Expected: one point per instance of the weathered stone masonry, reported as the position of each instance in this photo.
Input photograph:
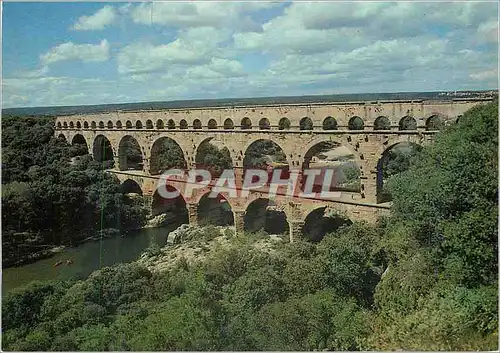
(238, 127)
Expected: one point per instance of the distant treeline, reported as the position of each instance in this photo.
(228, 102)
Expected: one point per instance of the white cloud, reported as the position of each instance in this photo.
(81, 52)
(98, 21)
(487, 75)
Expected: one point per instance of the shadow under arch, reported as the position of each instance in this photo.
(80, 144)
(216, 211)
(129, 153)
(394, 160)
(130, 186)
(102, 151)
(175, 209)
(166, 154)
(318, 224)
(261, 213)
(333, 157)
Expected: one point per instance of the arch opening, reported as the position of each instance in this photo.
(93, 125)
(110, 124)
(306, 123)
(159, 124)
(59, 125)
(395, 159)
(103, 152)
(214, 211)
(85, 125)
(128, 124)
(262, 214)
(266, 155)
(175, 209)
(407, 123)
(284, 124)
(212, 124)
(330, 123)
(356, 123)
(434, 123)
(138, 124)
(319, 223)
(149, 124)
(246, 124)
(62, 138)
(171, 124)
(332, 157)
(130, 186)
(213, 157)
(183, 124)
(382, 123)
(79, 145)
(101, 124)
(130, 155)
(166, 154)
(71, 125)
(197, 124)
(264, 124)
(78, 125)
(118, 124)
(228, 124)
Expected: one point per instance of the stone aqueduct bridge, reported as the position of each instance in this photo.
(367, 129)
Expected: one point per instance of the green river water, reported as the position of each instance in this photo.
(86, 258)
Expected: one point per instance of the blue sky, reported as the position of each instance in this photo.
(95, 53)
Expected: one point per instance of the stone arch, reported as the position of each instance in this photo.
(101, 124)
(216, 154)
(382, 123)
(175, 209)
(434, 123)
(284, 124)
(407, 123)
(102, 150)
(171, 124)
(228, 124)
(159, 124)
(128, 124)
(85, 125)
(262, 213)
(332, 156)
(130, 186)
(78, 125)
(356, 123)
(215, 211)
(268, 155)
(129, 153)
(197, 124)
(93, 125)
(402, 163)
(319, 222)
(306, 123)
(62, 137)
(166, 153)
(59, 125)
(212, 124)
(81, 143)
(149, 124)
(183, 124)
(71, 125)
(138, 124)
(118, 124)
(264, 124)
(246, 123)
(110, 124)
(65, 125)
(330, 123)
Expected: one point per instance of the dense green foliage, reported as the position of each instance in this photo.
(214, 159)
(48, 197)
(424, 278)
(167, 155)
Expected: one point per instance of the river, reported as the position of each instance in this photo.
(86, 258)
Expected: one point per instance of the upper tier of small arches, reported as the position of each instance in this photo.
(382, 123)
